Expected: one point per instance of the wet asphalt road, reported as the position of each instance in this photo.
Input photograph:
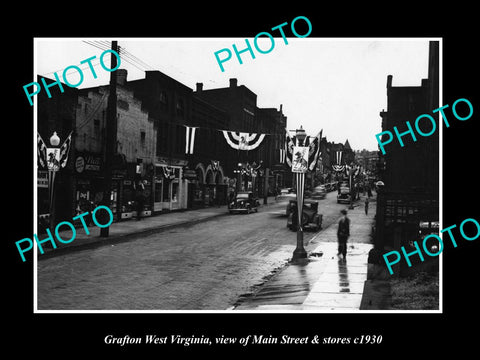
(205, 266)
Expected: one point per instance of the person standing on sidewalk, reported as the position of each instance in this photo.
(343, 233)
(366, 206)
(140, 199)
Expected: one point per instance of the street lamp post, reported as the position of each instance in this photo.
(352, 192)
(299, 170)
(53, 155)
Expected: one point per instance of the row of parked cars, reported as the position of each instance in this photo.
(246, 202)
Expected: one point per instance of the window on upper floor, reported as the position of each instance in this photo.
(180, 107)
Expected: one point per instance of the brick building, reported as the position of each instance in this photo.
(240, 104)
(135, 151)
(154, 116)
(410, 173)
(169, 104)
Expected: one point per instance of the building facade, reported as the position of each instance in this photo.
(132, 168)
(170, 147)
(261, 169)
(410, 194)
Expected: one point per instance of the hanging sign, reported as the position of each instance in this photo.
(300, 159)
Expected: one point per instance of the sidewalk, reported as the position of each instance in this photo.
(323, 282)
(120, 231)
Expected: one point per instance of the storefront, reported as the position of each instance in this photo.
(88, 182)
(42, 199)
(89, 185)
(135, 189)
(210, 187)
(170, 188)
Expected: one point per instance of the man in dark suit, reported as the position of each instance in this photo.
(343, 233)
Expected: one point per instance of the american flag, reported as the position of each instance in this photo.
(41, 151)
(290, 142)
(314, 151)
(64, 149)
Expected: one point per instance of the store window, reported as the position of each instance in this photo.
(166, 192)
(158, 191)
(175, 191)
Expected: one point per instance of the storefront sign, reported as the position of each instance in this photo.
(42, 179)
(88, 162)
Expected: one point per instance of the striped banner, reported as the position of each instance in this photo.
(242, 140)
(189, 139)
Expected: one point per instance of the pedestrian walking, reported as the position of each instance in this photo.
(366, 206)
(343, 233)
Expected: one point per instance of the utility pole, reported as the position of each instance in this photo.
(110, 135)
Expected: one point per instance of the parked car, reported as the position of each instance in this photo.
(344, 194)
(311, 219)
(244, 202)
(319, 192)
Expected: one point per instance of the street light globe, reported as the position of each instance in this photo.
(54, 140)
(300, 134)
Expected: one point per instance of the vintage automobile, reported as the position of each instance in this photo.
(319, 192)
(311, 219)
(344, 194)
(244, 202)
(285, 196)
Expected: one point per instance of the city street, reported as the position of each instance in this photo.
(205, 266)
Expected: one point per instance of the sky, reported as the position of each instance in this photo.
(334, 84)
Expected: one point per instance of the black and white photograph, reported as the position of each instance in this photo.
(183, 159)
(243, 184)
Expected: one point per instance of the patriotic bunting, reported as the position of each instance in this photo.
(242, 140)
(338, 166)
(189, 139)
(168, 172)
(339, 157)
(313, 151)
(53, 158)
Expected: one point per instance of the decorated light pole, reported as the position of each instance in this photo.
(302, 155)
(53, 158)
(299, 167)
